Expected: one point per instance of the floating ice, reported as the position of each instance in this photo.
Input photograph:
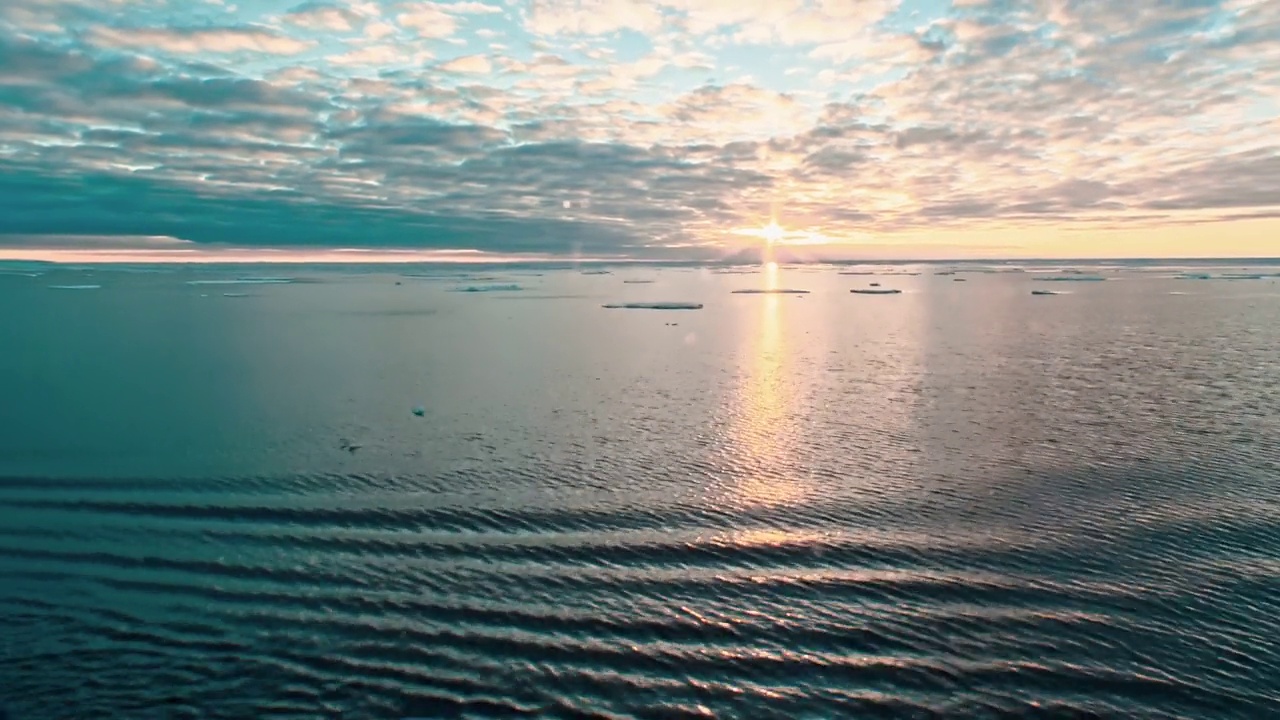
(1045, 292)
(597, 272)
(75, 287)
(1237, 276)
(487, 288)
(419, 411)
(1194, 276)
(242, 281)
(770, 291)
(958, 280)
(235, 294)
(655, 306)
(636, 282)
(1071, 278)
(857, 272)
(876, 291)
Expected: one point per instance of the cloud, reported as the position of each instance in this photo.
(323, 16)
(474, 8)
(468, 64)
(593, 17)
(428, 21)
(864, 118)
(191, 41)
(381, 55)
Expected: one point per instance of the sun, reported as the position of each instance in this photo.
(772, 232)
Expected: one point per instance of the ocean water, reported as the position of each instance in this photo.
(961, 501)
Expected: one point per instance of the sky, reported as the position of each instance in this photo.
(640, 128)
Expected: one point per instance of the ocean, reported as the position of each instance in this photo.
(369, 493)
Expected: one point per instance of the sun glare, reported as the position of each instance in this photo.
(772, 233)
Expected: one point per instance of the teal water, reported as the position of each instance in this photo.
(961, 501)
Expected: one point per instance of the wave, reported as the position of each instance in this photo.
(390, 597)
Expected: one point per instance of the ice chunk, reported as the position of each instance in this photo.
(75, 287)
(242, 281)
(636, 282)
(876, 291)
(419, 411)
(487, 288)
(655, 306)
(770, 291)
(235, 294)
(1045, 292)
(1071, 278)
(597, 272)
(1195, 276)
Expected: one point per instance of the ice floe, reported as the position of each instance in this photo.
(770, 291)
(876, 291)
(487, 288)
(1071, 278)
(75, 287)
(242, 281)
(655, 306)
(1045, 292)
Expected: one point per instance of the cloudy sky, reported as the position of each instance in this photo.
(644, 128)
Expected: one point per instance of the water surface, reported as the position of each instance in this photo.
(960, 501)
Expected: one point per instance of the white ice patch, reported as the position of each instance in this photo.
(655, 306)
(243, 281)
(770, 291)
(487, 288)
(1071, 278)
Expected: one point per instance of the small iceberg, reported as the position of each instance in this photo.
(1045, 292)
(654, 306)
(1236, 276)
(1071, 278)
(242, 281)
(235, 294)
(75, 287)
(857, 272)
(876, 291)
(597, 272)
(770, 291)
(1194, 276)
(511, 287)
(419, 411)
(636, 282)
